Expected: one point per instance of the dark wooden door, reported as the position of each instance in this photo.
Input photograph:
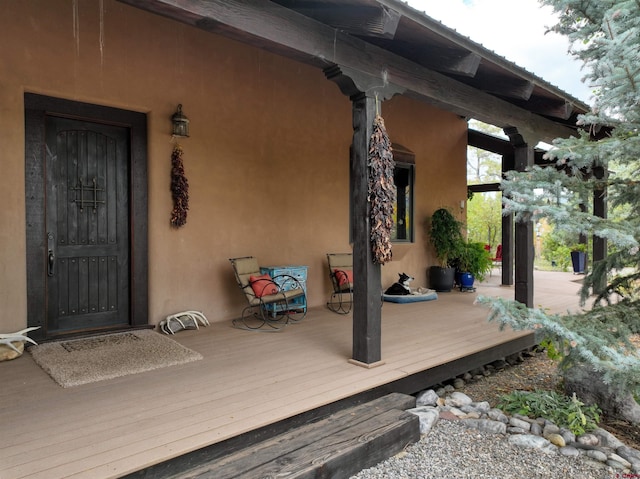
(86, 217)
(87, 225)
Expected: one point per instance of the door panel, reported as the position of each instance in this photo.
(98, 277)
(87, 225)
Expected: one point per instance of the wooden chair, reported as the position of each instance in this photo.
(341, 275)
(497, 259)
(270, 300)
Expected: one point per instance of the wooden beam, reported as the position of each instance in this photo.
(487, 142)
(484, 188)
(517, 88)
(599, 244)
(455, 61)
(367, 315)
(367, 301)
(508, 240)
(281, 30)
(548, 107)
(524, 248)
(375, 21)
(411, 14)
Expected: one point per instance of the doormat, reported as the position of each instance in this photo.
(82, 361)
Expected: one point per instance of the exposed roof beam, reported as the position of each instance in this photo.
(517, 88)
(456, 61)
(420, 18)
(488, 142)
(286, 32)
(549, 107)
(483, 187)
(378, 21)
(500, 146)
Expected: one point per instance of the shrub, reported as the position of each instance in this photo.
(564, 411)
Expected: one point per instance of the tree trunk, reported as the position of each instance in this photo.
(591, 389)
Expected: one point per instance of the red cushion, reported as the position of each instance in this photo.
(344, 277)
(262, 285)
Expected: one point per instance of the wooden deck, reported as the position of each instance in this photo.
(245, 382)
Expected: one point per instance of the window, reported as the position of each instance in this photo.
(403, 177)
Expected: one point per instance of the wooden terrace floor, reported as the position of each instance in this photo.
(246, 381)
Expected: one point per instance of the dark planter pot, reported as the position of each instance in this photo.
(441, 279)
(466, 280)
(579, 261)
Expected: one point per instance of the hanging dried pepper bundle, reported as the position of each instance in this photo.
(382, 191)
(179, 189)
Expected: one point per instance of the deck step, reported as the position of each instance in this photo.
(337, 446)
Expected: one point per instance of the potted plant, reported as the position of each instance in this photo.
(473, 262)
(446, 237)
(579, 258)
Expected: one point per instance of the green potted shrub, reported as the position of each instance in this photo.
(446, 237)
(473, 262)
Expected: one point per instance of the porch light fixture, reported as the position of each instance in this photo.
(180, 123)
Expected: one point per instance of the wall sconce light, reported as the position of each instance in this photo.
(180, 124)
(462, 204)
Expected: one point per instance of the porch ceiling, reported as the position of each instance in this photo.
(388, 38)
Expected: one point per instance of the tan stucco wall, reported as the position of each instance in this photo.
(267, 160)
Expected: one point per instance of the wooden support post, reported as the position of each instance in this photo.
(367, 286)
(582, 238)
(524, 247)
(507, 233)
(507, 250)
(363, 91)
(599, 244)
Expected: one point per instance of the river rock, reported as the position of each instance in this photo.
(569, 451)
(615, 457)
(519, 423)
(607, 439)
(630, 454)
(550, 428)
(556, 440)
(531, 441)
(486, 425)
(458, 383)
(588, 439)
(483, 406)
(458, 399)
(498, 415)
(596, 454)
(536, 429)
(428, 416)
(427, 398)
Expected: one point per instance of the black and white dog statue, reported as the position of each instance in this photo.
(401, 287)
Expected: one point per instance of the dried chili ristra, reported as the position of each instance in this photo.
(179, 189)
(382, 191)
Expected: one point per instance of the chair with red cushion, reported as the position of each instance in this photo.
(341, 276)
(269, 299)
(497, 259)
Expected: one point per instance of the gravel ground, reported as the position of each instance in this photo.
(451, 451)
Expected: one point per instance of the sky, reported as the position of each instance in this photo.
(514, 29)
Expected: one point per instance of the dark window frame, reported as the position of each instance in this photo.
(405, 159)
(406, 163)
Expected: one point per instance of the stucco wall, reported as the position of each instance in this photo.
(267, 160)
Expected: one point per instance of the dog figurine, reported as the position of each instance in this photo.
(401, 287)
